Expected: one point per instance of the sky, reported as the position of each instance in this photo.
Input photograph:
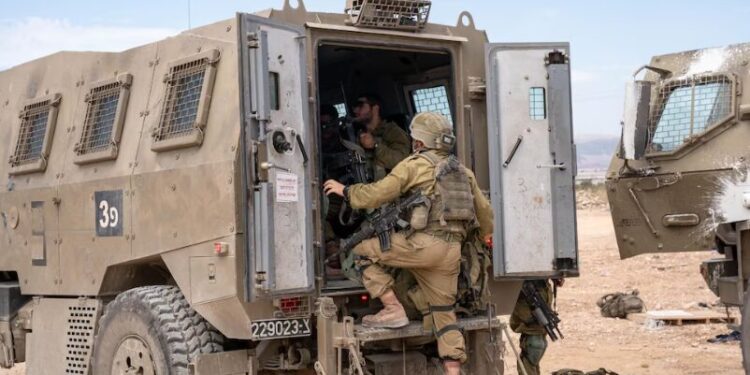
(609, 39)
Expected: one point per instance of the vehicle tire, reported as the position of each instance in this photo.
(745, 328)
(151, 330)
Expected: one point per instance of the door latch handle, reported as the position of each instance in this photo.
(266, 166)
(560, 166)
(513, 151)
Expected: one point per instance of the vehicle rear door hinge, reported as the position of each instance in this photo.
(252, 40)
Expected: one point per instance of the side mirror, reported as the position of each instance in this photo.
(635, 120)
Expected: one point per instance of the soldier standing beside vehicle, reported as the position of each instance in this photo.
(433, 251)
(533, 340)
(388, 143)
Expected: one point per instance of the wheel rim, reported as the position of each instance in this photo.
(133, 357)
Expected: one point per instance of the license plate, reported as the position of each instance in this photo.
(278, 328)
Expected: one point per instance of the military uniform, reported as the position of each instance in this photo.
(533, 335)
(392, 146)
(433, 253)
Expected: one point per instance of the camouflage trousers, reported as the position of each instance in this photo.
(434, 263)
(532, 351)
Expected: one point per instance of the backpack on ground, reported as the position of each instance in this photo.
(619, 305)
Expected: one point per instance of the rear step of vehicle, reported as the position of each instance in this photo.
(415, 329)
(342, 288)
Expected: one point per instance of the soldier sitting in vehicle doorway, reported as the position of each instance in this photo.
(431, 249)
(387, 143)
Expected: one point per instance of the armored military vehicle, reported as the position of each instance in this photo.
(679, 180)
(162, 210)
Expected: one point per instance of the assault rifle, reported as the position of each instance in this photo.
(358, 168)
(382, 221)
(540, 310)
(357, 173)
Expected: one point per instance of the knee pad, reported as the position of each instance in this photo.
(533, 348)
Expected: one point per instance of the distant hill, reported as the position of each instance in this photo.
(595, 151)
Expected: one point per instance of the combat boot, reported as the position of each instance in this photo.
(392, 315)
(451, 367)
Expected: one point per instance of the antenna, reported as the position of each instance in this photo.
(188, 6)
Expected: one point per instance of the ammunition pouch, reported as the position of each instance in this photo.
(420, 216)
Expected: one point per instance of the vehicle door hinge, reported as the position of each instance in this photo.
(252, 40)
(477, 88)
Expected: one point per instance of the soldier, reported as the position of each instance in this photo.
(388, 143)
(533, 341)
(432, 251)
(329, 134)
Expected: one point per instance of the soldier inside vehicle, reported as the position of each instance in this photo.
(374, 93)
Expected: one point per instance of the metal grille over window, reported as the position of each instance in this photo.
(34, 122)
(388, 14)
(100, 119)
(537, 103)
(434, 99)
(185, 83)
(688, 107)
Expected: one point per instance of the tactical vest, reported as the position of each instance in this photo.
(451, 209)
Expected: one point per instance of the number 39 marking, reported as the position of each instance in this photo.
(108, 213)
(110, 217)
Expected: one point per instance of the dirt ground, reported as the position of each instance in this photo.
(670, 281)
(665, 282)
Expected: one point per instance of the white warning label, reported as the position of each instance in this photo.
(286, 187)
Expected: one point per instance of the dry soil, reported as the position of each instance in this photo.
(666, 281)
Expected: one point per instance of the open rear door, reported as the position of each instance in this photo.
(532, 175)
(275, 128)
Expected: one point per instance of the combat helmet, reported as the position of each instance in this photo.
(434, 130)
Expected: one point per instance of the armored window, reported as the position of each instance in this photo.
(34, 140)
(341, 109)
(106, 103)
(187, 96)
(688, 107)
(274, 89)
(537, 103)
(432, 99)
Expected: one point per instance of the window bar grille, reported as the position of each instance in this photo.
(692, 106)
(34, 120)
(100, 118)
(432, 99)
(393, 14)
(687, 107)
(185, 84)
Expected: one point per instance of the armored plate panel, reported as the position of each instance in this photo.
(532, 180)
(690, 184)
(275, 102)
